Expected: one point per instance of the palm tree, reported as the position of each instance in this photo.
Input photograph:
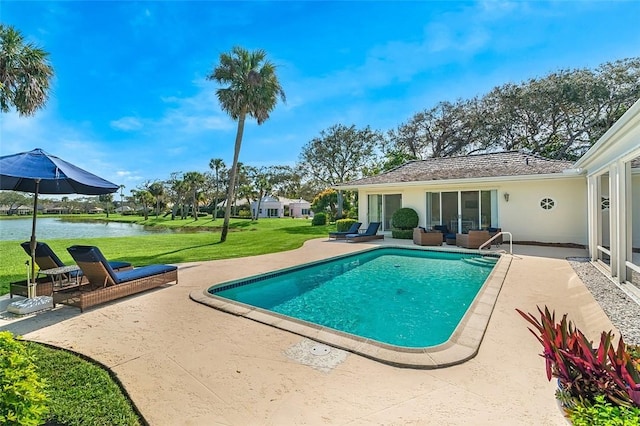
(194, 181)
(121, 188)
(252, 88)
(218, 166)
(157, 190)
(25, 73)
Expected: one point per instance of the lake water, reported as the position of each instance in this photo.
(50, 228)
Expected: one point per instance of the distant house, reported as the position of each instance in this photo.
(20, 210)
(272, 206)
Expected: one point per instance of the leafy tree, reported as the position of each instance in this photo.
(264, 180)
(144, 197)
(107, 199)
(14, 200)
(252, 88)
(339, 155)
(25, 73)
(157, 190)
(219, 173)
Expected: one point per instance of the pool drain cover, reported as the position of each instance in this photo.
(320, 350)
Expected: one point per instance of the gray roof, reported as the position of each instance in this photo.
(501, 164)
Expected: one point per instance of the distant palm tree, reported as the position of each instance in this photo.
(157, 190)
(252, 88)
(25, 73)
(218, 166)
(194, 182)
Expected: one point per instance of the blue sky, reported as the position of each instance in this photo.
(130, 101)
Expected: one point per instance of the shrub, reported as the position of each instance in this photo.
(402, 234)
(244, 214)
(319, 219)
(404, 218)
(343, 225)
(22, 400)
(602, 413)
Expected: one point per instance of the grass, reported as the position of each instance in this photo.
(80, 392)
(246, 238)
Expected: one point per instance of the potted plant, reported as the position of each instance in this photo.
(595, 385)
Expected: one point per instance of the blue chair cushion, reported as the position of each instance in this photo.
(142, 272)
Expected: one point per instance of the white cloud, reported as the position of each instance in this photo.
(127, 124)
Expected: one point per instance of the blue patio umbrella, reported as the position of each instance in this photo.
(40, 173)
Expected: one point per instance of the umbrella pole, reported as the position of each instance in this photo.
(31, 288)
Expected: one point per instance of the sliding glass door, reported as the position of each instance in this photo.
(382, 207)
(463, 210)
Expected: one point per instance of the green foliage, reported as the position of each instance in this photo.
(603, 413)
(402, 234)
(23, 400)
(98, 401)
(405, 218)
(245, 214)
(583, 371)
(319, 219)
(343, 225)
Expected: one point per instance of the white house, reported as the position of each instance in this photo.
(271, 206)
(594, 202)
(536, 199)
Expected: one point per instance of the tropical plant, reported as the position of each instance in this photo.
(25, 73)
(194, 182)
(582, 371)
(251, 88)
(157, 190)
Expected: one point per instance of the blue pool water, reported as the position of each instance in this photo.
(402, 297)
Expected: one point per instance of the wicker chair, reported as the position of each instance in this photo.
(473, 240)
(105, 284)
(423, 237)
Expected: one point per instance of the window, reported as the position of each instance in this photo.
(547, 203)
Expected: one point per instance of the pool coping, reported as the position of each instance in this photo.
(463, 344)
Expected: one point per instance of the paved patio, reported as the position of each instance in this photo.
(184, 363)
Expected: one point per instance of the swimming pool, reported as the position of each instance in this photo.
(385, 303)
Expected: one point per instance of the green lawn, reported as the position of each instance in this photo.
(246, 238)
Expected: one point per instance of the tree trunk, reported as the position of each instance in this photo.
(232, 178)
(339, 208)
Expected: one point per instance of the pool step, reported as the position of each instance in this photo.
(481, 261)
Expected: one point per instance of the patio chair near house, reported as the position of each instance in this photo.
(473, 240)
(340, 235)
(423, 237)
(105, 284)
(371, 233)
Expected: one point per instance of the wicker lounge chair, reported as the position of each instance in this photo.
(370, 234)
(46, 258)
(107, 284)
(340, 235)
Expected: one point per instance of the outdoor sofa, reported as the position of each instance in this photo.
(105, 284)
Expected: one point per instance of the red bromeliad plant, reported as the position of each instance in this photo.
(582, 371)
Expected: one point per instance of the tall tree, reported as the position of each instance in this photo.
(340, 154)
(219, 171)
(25, 73)
(143, 197)
(251, 88)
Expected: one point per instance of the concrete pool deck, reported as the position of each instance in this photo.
(184, 363)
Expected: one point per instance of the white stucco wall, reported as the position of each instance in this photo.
(521, 215)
